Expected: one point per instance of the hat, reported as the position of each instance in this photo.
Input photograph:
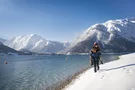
(95, 43)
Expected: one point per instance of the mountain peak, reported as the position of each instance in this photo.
(31, 37)
(111, 34)
(34, 43)
(33, 34)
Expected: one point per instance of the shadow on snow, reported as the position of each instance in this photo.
(118, 67)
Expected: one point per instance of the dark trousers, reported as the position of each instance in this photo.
(96, 64)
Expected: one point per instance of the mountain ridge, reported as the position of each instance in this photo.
(35, 43)
(112, 36)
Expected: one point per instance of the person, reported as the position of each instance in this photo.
(95, 56)
(97, 47)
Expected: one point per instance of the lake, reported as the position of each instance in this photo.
(32, 72)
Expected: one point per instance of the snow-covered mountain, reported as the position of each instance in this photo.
(6, 49)
(113, 36)
(2, 40)
(35, 43)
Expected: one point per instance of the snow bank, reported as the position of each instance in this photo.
(115, 75)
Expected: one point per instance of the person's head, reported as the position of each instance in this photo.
(95, 43)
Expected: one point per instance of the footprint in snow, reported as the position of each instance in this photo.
(128, 70)
(102, 77)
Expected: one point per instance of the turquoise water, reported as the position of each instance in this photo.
(41, 72)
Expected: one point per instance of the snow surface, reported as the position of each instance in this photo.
(115, 75)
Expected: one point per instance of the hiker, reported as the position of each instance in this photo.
(95, 56)
(96, 46)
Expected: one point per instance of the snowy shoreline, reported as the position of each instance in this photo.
(69, 80)
(115, 75)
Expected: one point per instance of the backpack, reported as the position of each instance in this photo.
(94, 50)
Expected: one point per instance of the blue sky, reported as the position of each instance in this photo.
(59, 20)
